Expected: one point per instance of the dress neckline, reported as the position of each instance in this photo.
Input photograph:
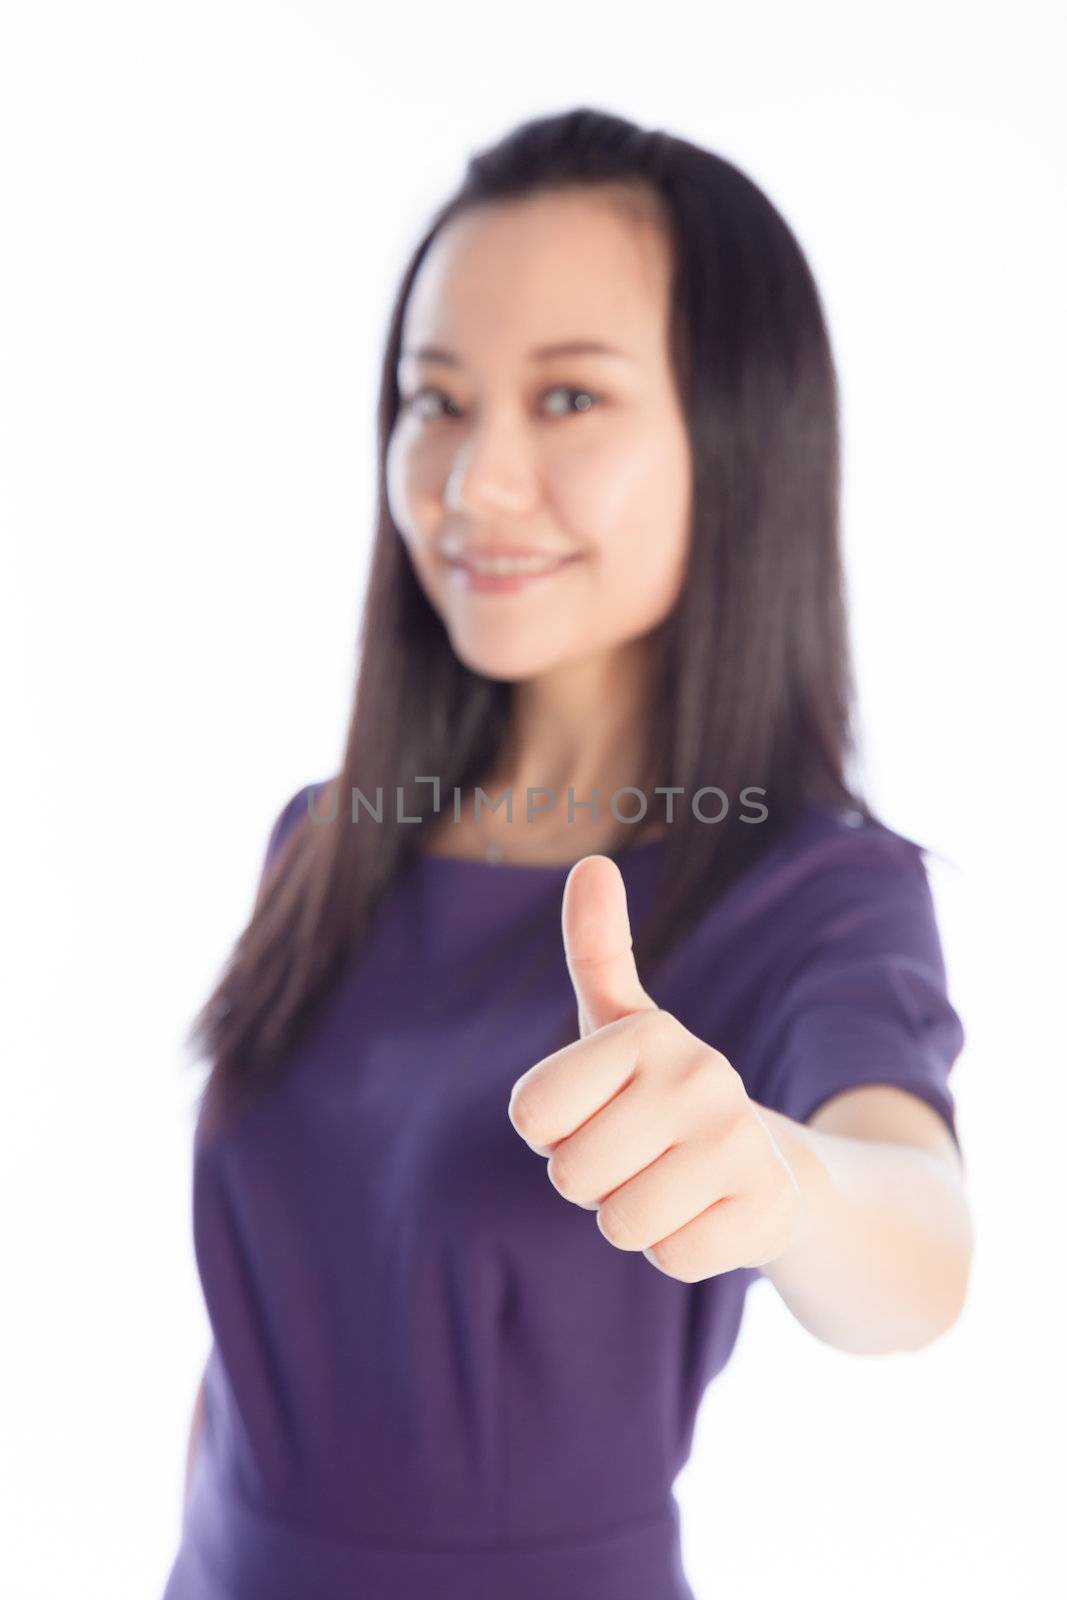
(642, 848)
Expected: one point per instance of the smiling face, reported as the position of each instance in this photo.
(581, 458)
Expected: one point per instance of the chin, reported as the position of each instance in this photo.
(505, 664)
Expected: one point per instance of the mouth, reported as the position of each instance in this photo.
(505, 574)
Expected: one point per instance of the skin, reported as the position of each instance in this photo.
(642, 1121)
(496, 448)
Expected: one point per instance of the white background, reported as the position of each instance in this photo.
(205, 208)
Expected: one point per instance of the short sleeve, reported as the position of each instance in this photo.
(865, 1000)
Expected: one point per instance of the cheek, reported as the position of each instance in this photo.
(629, 501)
(416, 511)
(413, 487)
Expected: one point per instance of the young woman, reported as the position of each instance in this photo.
(478, 1188)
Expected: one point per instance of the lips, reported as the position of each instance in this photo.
(511, 566)
(510, 575)
(509, 560)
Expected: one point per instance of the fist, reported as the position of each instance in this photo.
(644, 1123)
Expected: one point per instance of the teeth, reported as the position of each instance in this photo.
(502, 566)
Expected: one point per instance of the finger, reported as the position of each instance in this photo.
(729, 1234)
(684, 1181)
(555, 1096)
(599, 945)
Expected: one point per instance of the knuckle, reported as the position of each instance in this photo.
(712, 1078)
(727, 1077)
(667, 1257)
(561, 1172)
(614, 1227)
(524, 1112)
(665, 1024)
(645, 1024)
(683, 1269)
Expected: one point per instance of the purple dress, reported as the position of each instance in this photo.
(430, 1373)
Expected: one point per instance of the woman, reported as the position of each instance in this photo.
(607, 567)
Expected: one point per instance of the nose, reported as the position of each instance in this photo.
(492, 472)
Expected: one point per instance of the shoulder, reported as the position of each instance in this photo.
(830, 833)
(827, 858)
(305, 800)
(836, 894)
(850, 902)
(853, 988)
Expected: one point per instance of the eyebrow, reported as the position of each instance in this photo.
(544, 352)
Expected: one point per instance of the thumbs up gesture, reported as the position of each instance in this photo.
(643, 1122)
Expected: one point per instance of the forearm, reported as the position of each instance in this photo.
(880, 1258)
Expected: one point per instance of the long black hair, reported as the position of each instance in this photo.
(752, 685)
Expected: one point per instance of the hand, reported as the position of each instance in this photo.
(643, 1122)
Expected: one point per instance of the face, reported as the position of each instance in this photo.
(580, 459)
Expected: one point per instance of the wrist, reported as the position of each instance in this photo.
(800, 1147)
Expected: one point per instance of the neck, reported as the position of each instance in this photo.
(580, 728)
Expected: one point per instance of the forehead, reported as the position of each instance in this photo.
(506, 276)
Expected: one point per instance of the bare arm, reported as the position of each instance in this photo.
(194, 1436)
(882, 1261)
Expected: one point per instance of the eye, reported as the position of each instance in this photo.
(586, 398)
(584, 395)
(410, 402)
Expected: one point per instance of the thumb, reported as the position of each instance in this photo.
(599, 945)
